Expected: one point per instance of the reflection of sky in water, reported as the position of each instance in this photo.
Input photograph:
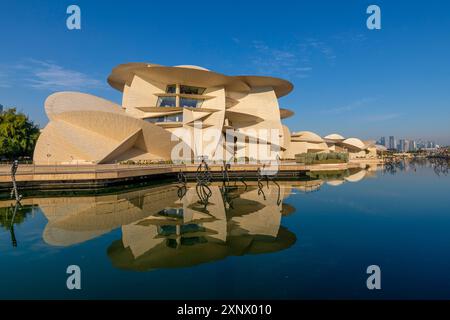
(310, 239)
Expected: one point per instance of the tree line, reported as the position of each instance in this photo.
(18, 135)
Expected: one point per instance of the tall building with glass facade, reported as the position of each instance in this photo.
(392, 144)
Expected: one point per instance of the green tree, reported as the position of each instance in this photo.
(18, 134)
(6, 215)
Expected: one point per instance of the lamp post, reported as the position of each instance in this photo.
(48, 154)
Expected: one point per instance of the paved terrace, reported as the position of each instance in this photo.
(29, 175)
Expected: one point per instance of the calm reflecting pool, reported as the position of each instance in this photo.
(278, 240)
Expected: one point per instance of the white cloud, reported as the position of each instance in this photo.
(312, 46)
(276, 61)
(347, 38)
(383, 117)
(236, 40)
(48, 75)
(4, 83)
(357, 104)
(294, 60)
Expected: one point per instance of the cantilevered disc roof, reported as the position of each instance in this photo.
(355, 143)
(358, 176)
(189, 66)
(281, 87)
(195, 76)
(286, 113)
(123, 74)
(307, 136)
(334, 136)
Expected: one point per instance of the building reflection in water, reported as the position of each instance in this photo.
(164, 228)
(189, 233)
(393, 166)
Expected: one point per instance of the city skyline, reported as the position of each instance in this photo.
(406, 144)
(347, 78)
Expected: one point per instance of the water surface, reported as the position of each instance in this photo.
(284, 240)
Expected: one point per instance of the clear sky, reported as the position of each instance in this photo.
(347, 79)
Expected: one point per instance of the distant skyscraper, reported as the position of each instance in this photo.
(383, 141)
(406, 146)
(412, 145)
(1, 108)
(392, 144)
(431, 144)
(421, 144)
(401, 145)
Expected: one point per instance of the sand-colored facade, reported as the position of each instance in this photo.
(356, 148)
(177, 113)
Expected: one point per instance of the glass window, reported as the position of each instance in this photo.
(174, 118)
(168, 118)
(171, 88)
(192, 103)
(191, 90)
(167, 230)
(185, 241)
(156, 119)
(172, 212)
(166, 102)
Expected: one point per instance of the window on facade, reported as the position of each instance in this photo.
(171, 88)
(167, 230)
(185, 241)
(166, 102)
(172, 212)
(153, 120)
(192, 103)
(171, 101)
(168, 118)
(191, 90)
(174, 118)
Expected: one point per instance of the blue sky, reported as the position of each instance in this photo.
(347, 79)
